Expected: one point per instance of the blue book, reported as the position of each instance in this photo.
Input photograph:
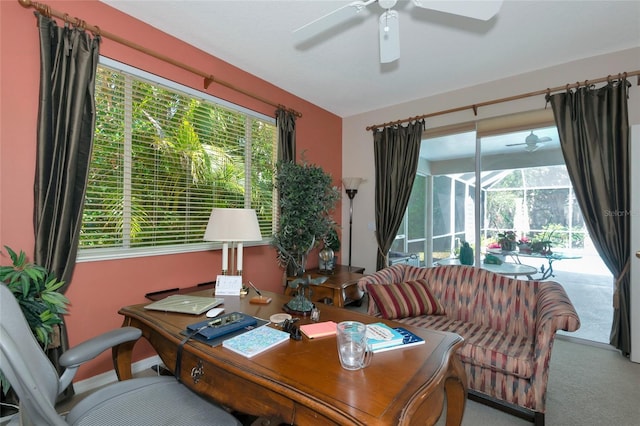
(380, 335)
(256, 341)
(409, 339)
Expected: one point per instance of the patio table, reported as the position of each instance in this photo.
(550, 258)
(505, 268)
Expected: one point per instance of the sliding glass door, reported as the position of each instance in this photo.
(475, 185)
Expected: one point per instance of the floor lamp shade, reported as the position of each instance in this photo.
(235, 226)
(351, 185)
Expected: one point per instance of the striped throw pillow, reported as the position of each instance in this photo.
(408, 299)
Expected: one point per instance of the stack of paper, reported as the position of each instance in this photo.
(319, 329)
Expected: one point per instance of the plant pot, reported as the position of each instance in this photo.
(524, 248)
(508, 245)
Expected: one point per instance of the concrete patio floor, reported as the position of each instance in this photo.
(589, 285)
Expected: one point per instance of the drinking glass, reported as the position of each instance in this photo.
(353, 350)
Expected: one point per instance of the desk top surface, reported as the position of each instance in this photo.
(310, 369)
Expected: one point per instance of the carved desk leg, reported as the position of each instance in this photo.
(122, 355)
(456, 388)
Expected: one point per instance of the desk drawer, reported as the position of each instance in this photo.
(305, 416)
(232, 391)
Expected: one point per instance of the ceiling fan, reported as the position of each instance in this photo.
(532, 142)
(389, 27)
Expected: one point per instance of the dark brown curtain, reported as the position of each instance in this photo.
(66, 118)
(593, 125)
(396, 154)
(286, 121)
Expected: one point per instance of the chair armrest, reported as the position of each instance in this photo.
(89, 349)
(93, 347)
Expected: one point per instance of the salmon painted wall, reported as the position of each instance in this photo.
(99, 289)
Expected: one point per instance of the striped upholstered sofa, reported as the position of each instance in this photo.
(508, 325)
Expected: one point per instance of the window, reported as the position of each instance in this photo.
(164, 155)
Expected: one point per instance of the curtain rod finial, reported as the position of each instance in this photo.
(25, 3)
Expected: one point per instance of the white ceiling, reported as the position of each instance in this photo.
(340, 71)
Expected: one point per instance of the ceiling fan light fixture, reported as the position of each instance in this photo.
(387, 4)
(389, 34)
(532, 139)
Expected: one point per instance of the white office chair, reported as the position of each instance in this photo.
(153, 401)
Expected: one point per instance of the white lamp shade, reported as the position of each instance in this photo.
(233, 225)
(352, 182)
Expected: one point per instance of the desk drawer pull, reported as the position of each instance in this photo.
(197, 372)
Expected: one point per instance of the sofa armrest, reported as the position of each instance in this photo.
(554, 312)
(390, 275)
(394, 274)
(555, 307)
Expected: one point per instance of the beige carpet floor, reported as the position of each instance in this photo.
(588, 386)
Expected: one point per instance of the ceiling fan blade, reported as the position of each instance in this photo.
(515, 144)
(544, 139)
(389, 33)
(330, 19)
(482, 10)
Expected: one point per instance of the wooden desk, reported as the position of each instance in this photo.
(341, 285)
(302, 382)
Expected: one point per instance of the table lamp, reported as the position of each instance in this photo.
(232, 225)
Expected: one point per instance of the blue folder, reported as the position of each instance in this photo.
(222, 325)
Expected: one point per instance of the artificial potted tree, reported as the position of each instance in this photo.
(36, 290)
(306, 197)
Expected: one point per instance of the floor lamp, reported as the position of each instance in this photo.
(351, 185)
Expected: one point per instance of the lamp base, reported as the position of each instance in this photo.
(296, 308)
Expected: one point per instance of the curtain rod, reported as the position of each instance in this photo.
(208, 78)
(475, 107)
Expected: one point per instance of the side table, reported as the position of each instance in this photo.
(340, 287)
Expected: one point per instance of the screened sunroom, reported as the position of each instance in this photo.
(474, 183)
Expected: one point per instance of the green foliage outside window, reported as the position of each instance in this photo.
(162, 159)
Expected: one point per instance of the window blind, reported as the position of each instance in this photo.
(164, 157)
